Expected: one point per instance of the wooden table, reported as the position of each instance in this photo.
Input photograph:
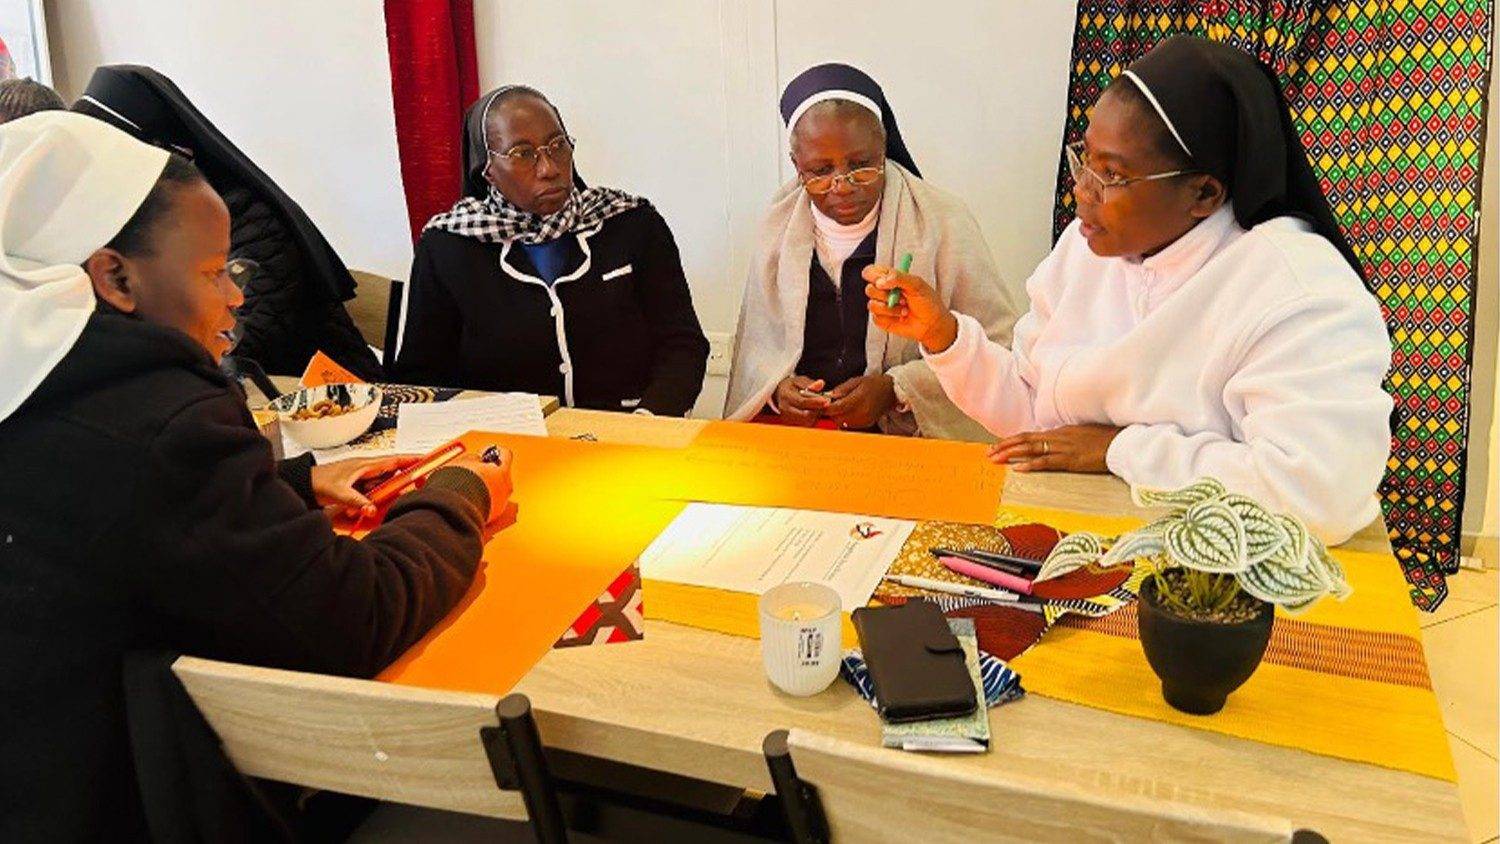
(696, 703)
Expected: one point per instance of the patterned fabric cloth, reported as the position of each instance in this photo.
(1001, 683)
(617, 615)
(1390, 98)
(495, 219)
(1006, 631)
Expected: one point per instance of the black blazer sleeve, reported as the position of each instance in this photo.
(429, 345)
(680, 353)
(234, 565)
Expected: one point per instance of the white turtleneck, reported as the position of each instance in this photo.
(834, 242)
(1253, 356)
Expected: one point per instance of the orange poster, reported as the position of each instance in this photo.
(586, 511)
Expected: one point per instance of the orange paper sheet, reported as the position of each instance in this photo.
(575, 530)
(834, 471)
(322, 369)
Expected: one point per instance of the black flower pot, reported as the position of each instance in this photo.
(1200, 662)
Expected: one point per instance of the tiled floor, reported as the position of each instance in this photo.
(1461, 643)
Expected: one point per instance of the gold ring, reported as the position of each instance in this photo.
(1046, 447)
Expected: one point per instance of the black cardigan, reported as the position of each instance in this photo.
(294, 306)
(616, 333)
(141, 510)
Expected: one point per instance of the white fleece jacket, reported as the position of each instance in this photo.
(1252, 356)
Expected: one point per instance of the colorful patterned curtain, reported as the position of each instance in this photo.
(1390, 97)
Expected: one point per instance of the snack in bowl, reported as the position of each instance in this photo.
(321, 410)
(329, 415)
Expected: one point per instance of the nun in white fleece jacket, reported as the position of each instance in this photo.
(1202, 316)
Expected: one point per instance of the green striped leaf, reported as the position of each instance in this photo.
(1297, 555)
(1073, 551)
(1158, 527)
(1263, 532)
(1324, 567)
(1279, 580)
(1209, 537)
(1203, 489)
(1133, 546)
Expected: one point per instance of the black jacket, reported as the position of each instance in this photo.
(618, 332)
(295, 307)
(285, 321)
(141, 510)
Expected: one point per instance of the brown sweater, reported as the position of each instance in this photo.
(141, 510)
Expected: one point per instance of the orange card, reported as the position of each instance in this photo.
(322, 369)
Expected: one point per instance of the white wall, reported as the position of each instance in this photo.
(304, 88)
(1482, 509)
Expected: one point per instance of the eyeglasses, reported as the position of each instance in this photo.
(819, 185)
(1078, 167)
(559, 151)
(236, 271)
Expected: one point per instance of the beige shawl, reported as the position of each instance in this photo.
(947, 250)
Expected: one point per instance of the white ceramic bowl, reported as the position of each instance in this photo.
(361, 404)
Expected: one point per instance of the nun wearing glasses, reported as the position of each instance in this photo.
(1203, 315)
(537, 282)
(807, 353)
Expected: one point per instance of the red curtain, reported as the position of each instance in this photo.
(434, 77)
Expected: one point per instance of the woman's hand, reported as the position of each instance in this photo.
(799, 400)
(1072, 448)
(336, 485)
(920, 315)
(861, 401)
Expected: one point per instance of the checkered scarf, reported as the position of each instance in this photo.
(495, 219)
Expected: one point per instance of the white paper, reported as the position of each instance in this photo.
(420, 428)
(751, 549)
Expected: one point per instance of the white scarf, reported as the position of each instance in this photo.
(68, 184)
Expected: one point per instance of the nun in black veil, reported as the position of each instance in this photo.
(294, 300)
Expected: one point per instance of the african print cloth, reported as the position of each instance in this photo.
(1390, 97)
(617, 615)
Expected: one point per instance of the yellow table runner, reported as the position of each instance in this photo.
(1344, 679)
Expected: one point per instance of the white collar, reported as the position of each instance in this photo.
(1185, 256)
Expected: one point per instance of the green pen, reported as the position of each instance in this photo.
(893, 298)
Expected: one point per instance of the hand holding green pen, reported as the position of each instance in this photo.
(893, 298)
(908, 306)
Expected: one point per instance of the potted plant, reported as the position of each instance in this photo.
(1217, 565)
